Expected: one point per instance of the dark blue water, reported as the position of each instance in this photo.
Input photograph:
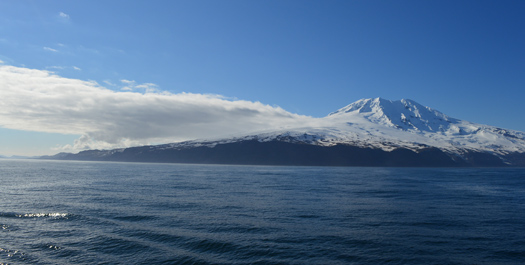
(124, 213)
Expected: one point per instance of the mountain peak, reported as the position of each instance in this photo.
(404, 114)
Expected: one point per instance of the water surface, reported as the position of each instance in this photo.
(55, 212)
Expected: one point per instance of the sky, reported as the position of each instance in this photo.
(78, 75)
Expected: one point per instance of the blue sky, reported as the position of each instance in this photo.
(278, 58)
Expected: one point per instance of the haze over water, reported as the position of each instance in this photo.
(56, 212)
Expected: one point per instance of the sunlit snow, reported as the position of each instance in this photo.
(387, 124)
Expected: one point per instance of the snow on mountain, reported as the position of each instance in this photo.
(406, 121)
(387, 124)
(403, 114)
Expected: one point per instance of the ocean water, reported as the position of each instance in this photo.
(54, 212)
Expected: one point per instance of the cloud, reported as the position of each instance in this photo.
(63, 15)
(41, 101)
(58, 68)
(50, 49)
(130, 85)
(107, 82)
(1, 62)
(55, 67)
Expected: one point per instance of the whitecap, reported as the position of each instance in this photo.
(36, 215)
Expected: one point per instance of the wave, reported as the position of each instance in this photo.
(34, 215)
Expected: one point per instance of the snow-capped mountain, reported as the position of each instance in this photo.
(402, 114)
(388, 125)
(405, 121)
(370, 132)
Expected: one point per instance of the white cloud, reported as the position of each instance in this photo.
(107, 82)
(38, 100)
(1, 62)
(55, 67)
(50, 49)
(63, 15)
(130, 85)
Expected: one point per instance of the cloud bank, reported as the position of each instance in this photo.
(41, 101)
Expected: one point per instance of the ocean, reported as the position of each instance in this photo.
(65, 212)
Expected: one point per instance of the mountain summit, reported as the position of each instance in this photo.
(405, 122)
(368, 132)
(404, 114)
